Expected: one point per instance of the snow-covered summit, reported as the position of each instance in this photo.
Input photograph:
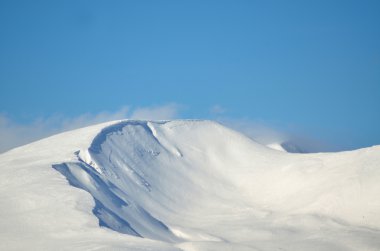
(184, 185)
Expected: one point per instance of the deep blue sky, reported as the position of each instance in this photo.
(313, 66)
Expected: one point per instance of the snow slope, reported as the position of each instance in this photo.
(184, 185)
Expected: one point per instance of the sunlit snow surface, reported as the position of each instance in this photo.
(184, 185)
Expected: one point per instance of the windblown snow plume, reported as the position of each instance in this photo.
(184, 185)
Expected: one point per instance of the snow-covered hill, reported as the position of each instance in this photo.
(184, 185)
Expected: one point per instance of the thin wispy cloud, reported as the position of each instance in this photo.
(260, 131)
(217, 110)
(169, 111)
(13, 134)
(267, 133)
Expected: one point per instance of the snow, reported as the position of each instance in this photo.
(286, 146)
(276, 146)
(184, 185)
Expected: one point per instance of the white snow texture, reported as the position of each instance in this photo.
(184, 185)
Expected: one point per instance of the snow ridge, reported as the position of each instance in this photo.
(105, 174)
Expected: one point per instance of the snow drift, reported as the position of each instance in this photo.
(185, 185)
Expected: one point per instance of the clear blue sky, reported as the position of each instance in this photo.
(312, 65)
